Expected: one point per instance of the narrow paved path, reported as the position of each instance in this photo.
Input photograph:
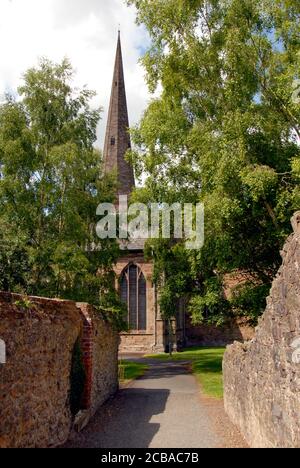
(160, 410)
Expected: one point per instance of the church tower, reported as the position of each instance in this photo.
(133, 272)
(117, 138)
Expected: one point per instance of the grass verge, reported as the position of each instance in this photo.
(206, 365)
(130, 371)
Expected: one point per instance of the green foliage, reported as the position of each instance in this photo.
(25, 303)
(225, 131)
(209, 306)
(296, 168)
(14, 264)
(171, 273)
(260, 181)
(250, 300)
(131, 370)
(113, 310)
(77, 379)
(50, 186)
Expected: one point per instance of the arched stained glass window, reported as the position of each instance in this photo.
(133, 292)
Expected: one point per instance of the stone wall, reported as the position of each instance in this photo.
(40, 335)
(262, 377)
(100, 344)
(209, 335)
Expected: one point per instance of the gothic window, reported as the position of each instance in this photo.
(133, 293)
(113, 141)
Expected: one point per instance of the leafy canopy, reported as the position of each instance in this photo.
(225, 131)
(50, 186)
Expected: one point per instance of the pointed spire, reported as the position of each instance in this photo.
(117, 138)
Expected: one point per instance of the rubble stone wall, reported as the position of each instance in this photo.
(262, 377)
(39, 336)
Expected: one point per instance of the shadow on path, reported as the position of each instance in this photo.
(162, 409)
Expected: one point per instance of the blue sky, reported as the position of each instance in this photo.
(83, 30)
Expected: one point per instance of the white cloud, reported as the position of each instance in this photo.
(83, 30)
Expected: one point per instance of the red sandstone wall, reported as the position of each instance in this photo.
(137, 343)
(209, 335)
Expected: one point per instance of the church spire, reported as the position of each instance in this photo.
(117, 138)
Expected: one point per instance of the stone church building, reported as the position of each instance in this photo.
(148, 331)
(133, 272)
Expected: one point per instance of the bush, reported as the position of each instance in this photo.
(210, 306)
(250, 300)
